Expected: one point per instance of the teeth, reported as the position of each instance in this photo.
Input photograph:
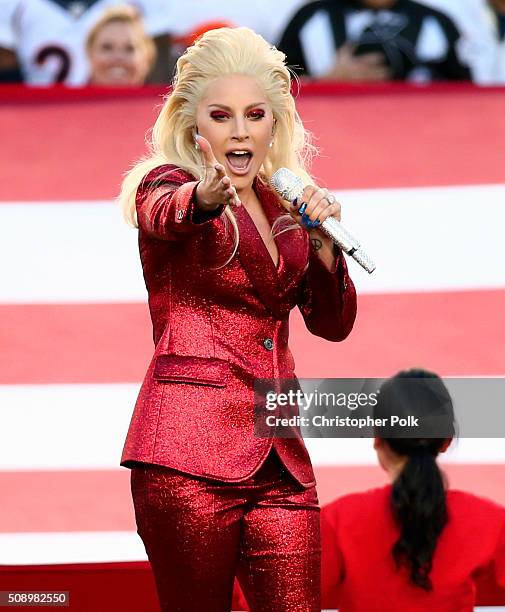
(240, 152)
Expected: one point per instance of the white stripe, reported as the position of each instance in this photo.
(437, 238)
(360, 451)
(72, 252)
(422, 239)
(70, 547)
(44, 427)
(55, 427)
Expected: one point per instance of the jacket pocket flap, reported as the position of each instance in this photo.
(196, 370)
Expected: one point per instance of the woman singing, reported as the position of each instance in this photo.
(212, 500)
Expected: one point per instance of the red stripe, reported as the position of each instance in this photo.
(454, 333)
(386, 140)
(110, 587)
(56, 94)
(458, 333)
(74, 343)
(130, 587)
(336, 88)
(393, 140)
(101, 500)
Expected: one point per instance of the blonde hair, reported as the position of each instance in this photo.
(219, 52)
(123, 13)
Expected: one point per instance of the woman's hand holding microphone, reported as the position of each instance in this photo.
(314, 206)
(310, 210)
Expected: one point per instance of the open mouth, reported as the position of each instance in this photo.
(239, 161)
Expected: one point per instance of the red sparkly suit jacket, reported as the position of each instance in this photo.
(217, 330)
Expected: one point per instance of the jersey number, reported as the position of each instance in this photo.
(62, 57)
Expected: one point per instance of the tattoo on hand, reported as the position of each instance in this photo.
(316, 243)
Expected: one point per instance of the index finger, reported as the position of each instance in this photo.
(308, 192)
(206, 149)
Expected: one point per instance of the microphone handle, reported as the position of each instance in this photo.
(340, 236)
(290, 187)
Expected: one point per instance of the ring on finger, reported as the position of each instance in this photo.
(330, 198)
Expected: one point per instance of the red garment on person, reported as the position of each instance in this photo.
(199, 534)
(359, 573)
(217, 330)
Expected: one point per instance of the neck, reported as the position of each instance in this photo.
(394, 468)
(246, 193)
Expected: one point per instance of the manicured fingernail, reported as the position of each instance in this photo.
(302, 208)
(294, 203)
(308, 223)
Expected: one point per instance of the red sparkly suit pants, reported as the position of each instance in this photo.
(198, 534)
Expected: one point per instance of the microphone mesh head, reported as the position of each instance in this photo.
(287, 184)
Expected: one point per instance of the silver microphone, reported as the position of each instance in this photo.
(290, 187)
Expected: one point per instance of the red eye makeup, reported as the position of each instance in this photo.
(218, 115)
(258, 113)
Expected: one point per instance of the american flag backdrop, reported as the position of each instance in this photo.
(420, 174)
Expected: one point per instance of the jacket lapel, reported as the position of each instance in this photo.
(270, 282)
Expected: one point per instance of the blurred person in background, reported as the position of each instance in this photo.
(119, 51)
(482, 24)
(46, 39)
(412, 544)
(373, 40)
(265, 17)
(9, 67)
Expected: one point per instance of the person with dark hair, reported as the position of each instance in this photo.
(373, 40)
(413, 544)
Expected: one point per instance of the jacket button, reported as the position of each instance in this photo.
(268, 343)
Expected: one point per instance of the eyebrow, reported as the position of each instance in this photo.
(229, 109)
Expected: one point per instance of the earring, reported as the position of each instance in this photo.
(271, 144)
(197, 146)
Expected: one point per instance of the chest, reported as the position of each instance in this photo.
(264, 229)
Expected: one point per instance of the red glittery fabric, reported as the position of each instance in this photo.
(199, 534)
(217, 330)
